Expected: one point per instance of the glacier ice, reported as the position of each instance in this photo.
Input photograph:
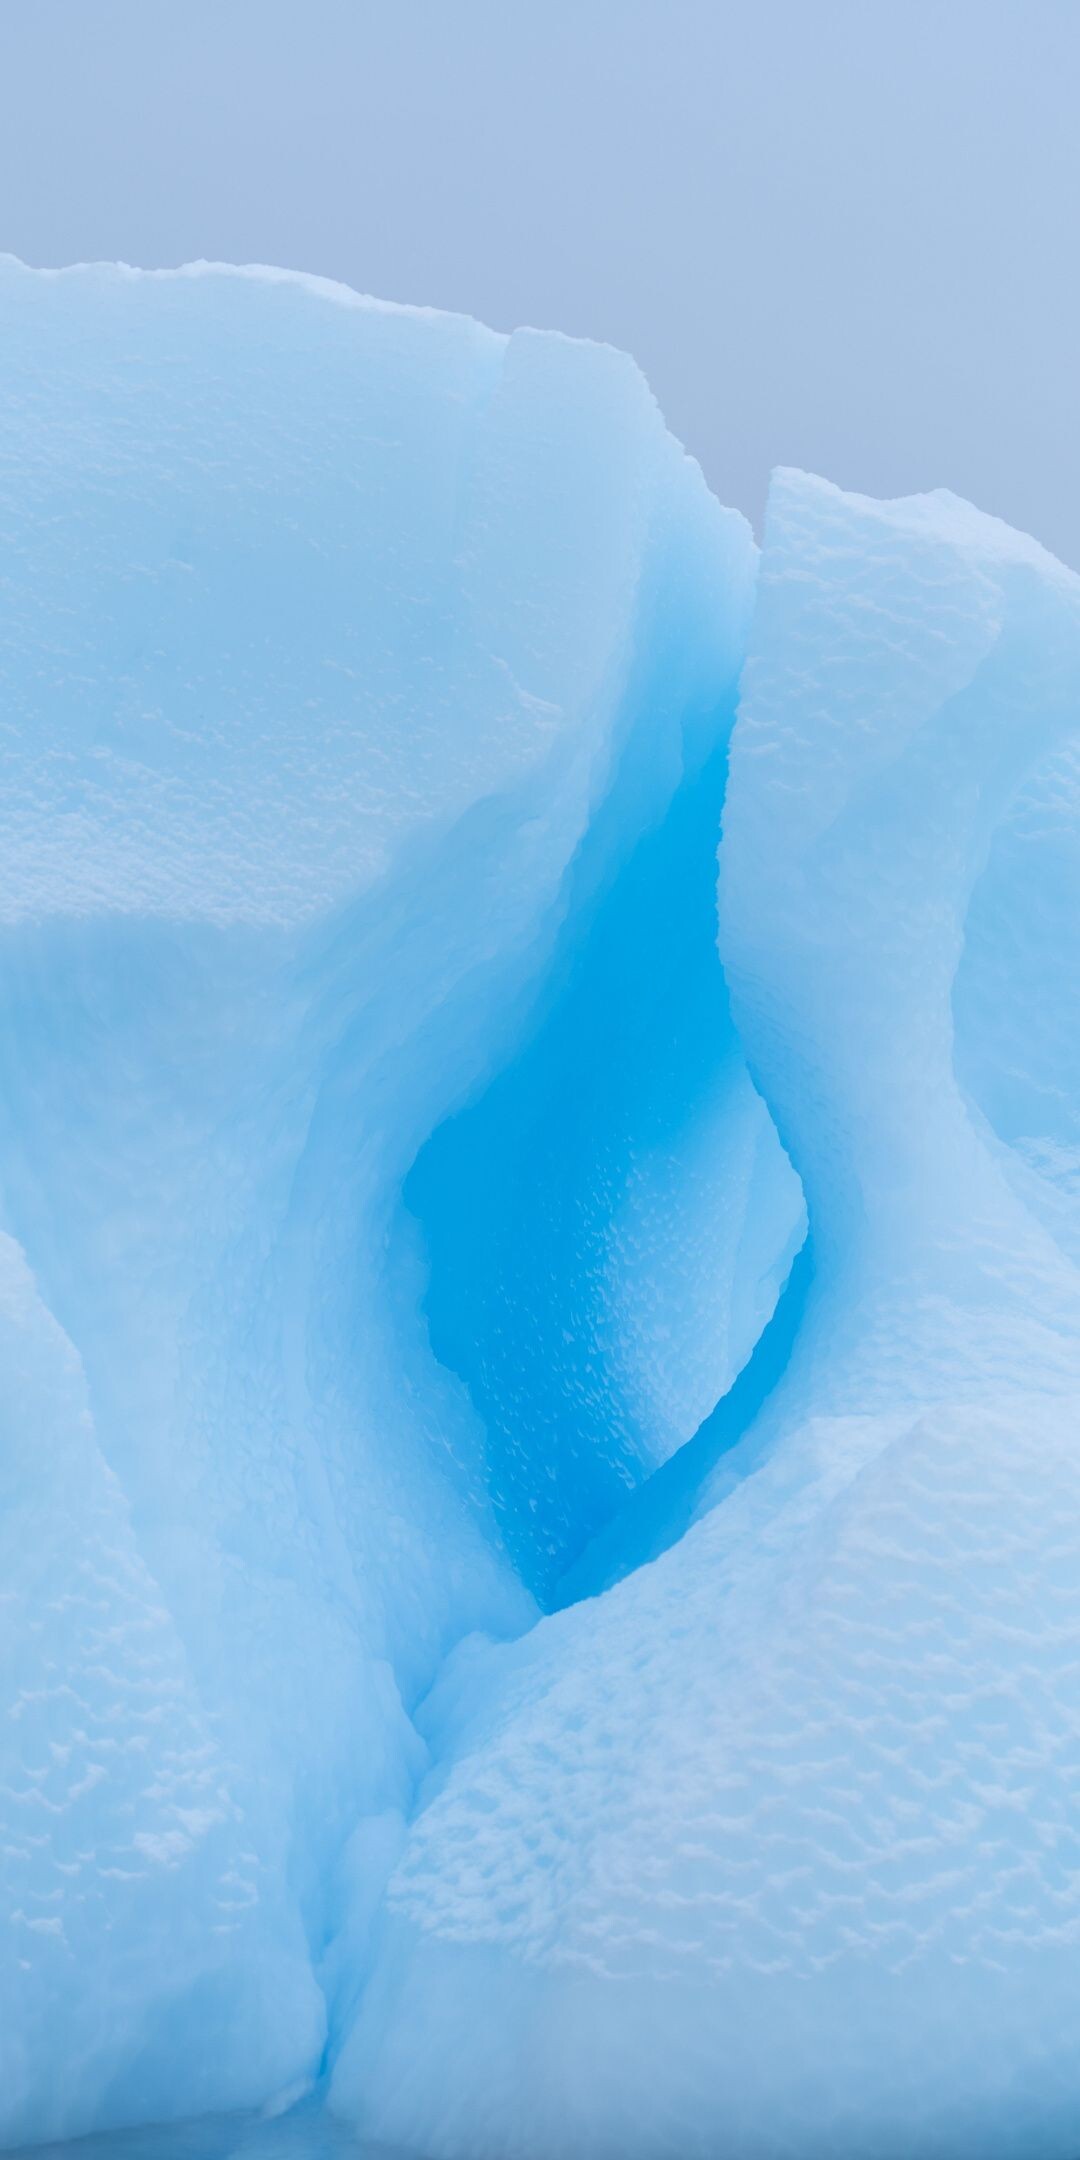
(772, 1848)
(539, 1258)
(349, 652)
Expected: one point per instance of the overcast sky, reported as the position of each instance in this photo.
(843, 234)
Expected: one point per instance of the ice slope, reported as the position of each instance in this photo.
(773, 1848)
(350, 657)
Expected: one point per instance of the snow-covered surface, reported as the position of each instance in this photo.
(401, 1160)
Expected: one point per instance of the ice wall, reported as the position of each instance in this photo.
(349, 656)
(771, 1849)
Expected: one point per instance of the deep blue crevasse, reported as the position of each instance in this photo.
(516, 1193)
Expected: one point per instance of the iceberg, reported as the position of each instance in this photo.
(539, 1258)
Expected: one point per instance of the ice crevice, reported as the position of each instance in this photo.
(539, 1267)
(659, 1511)
(609, 1190)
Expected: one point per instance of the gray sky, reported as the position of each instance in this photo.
(836, 233)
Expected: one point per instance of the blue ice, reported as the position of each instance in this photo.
(539, 1263)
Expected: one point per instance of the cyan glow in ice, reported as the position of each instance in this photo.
(539, 1410)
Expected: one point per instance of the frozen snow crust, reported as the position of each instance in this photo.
(491, 1625)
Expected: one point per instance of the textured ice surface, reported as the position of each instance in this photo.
(393, 1208)
(348, 654)
(773, 1848)
(305, 2133)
